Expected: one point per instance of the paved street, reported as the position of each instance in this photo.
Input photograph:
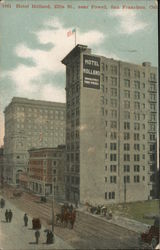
(14, 236)
(90, 232)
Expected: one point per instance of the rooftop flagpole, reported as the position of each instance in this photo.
(75, 37)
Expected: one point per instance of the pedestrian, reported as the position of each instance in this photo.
(50, 237)
(6, 215)
(25, 220)
(37, 235)
(2, 203)
(71, 208)
(10, 215)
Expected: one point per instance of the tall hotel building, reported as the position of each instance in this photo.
(111, 124)
(30, 124)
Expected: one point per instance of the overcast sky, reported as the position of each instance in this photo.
(34, 41)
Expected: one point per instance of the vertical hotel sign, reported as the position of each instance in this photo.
(91, 71)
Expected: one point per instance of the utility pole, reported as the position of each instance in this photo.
(52, 203)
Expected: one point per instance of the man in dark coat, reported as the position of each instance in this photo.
(6, 215)
(10, 215)
(25, 220)
(50, 237)
(37, 235)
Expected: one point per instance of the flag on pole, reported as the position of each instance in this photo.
(71, 32)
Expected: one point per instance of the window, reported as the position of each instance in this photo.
(152, 77)
(153, 106)
(113, 69)
(152, 117)
(113, 113)
(113, 157)
(136, 178)
(137, 84)
(105, 179)
(152, 147)
(136, 137)
(127, 179)
(113, 168)
(102, 66)
(126, 147)
(126, 93)
(136, 157)
(136, 73)
(152, 137)
(126, 168)
(113, 179)
(113, 135)
(126, 125)
(152, 97)
(106, 156)
(137, 147)
(127, 72)
(113, 92)
(102, 76)
(114, 81)
(126, 157)
(113, 124)
(137, 105)
(137, 126)
(102, 87)
(111, 195)
(152, 87)
(126, 136)
(152, 157)
(126, 83)
(113, 146)
(137, 116)
(136, 95)
(113, 103)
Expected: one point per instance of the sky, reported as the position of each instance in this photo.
(33, 41)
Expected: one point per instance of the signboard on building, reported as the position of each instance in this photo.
(91, 71)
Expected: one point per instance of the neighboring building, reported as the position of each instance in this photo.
(1, 165)
(111, 128)
(24, 180)
(46, 171)
(30, 124)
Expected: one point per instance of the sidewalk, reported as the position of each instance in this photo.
(14, 236)
(121, 221)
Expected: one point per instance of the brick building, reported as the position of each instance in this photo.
(46, 171)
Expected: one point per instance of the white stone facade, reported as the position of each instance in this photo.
(30, 124)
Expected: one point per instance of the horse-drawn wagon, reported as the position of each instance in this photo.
(17, 193)
(151, 236)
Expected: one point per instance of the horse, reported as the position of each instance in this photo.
(66, 217)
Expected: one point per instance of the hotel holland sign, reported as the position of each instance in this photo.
(91, 71)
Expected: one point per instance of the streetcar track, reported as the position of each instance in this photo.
(88, 230)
